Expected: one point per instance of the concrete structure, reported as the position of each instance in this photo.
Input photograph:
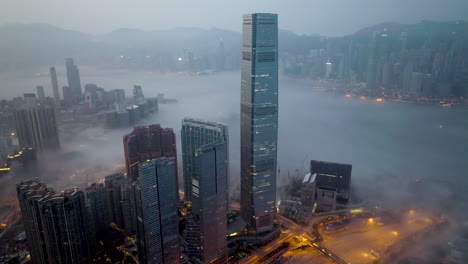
(206, 235)
(326, 199)
(194, 134)
(147, 143)
(336, 175)
(157, 212)
(259, 121)
(37, 128)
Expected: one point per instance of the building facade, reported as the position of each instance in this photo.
(147, 143)
(64, 219)
(55, 87)
(207, 238)
(96, 195)
(259, 120)
(333, 175)
(30, 193)
(37, 128)
(194, 134)
(74, 83)
(157, 212)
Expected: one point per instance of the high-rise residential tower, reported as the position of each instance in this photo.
(65, 227)
(157, 212)
(146, 143)
(207, 229)
(196, 133)
(259, 120)
(96, 195)
(37, 128)
(30, 193)
(73, 76)
(55, 87)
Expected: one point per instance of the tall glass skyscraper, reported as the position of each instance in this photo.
(207, 229)
(259, 120)
(55, 88)
(157, 212)
(73, 76)
(196, 133)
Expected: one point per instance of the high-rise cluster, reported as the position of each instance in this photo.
(146, 202)
(55, 223)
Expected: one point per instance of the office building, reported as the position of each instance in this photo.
(65, 227)
(335, 175)
(157, 212)
(55, 87)
(259, 120)
(326, 199)
(30, 193)
(37, 128)
(194, 134)
(147, 143)
(96, 196)
(73, 76)
(40, 93)
(207, 239)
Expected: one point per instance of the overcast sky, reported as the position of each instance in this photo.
(327, 17)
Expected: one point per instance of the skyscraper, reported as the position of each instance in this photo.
(30, 193)
(196, 133)
(146, 143)
(207, 238)
(259, 120)
(67, 96)
(40, 93)
(65, 227)
(37, 128)
(73, 76)
(157, 212)
(96, 195)
(55, 87)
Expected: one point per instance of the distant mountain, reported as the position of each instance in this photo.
(32, 45)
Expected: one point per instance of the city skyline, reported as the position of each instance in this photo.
(136, 210)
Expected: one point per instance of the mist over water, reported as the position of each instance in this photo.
(398, 151)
